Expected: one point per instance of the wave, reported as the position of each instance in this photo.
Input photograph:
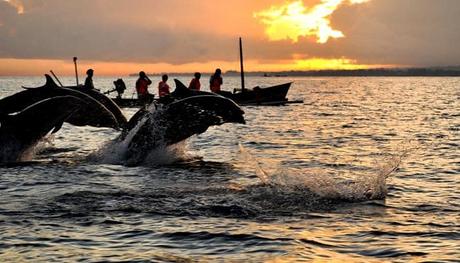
(283, 192)
(10, 150)
(327, 186)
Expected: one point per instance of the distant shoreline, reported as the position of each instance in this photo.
(397, 72)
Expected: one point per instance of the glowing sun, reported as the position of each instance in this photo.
(292, 20)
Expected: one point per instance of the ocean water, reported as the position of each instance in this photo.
(365, 170)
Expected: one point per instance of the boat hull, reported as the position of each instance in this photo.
(261, 96)
(130, 103)
(274, 95)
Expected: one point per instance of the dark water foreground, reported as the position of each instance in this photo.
(367, 169)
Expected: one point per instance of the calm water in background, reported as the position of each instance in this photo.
(299, 182)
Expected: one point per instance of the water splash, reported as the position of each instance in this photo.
(117, 151)
(165, 155)
(370, 186)
(261, 173)
(11, 151)
(114, 152)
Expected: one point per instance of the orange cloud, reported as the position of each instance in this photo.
(293, 20)
(17, 4)
(20, 67)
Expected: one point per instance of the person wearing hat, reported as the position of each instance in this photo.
(89, 79)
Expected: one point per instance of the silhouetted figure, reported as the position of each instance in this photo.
(89, 79)
(163, 87)
(195, 83)
(142, 85)
(120, 87)
(216, 81)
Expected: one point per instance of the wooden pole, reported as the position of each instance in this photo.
(76, 71)
(241, 66)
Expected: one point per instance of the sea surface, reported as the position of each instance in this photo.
(364, 170)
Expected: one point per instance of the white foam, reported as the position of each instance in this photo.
(367, 186)
(115, 152)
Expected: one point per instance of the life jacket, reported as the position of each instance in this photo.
(195, 84)
(142, 85)
(163, 89)
(215, 83)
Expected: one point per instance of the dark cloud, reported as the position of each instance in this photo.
(405, 32)
(411, 32)
(402, 32)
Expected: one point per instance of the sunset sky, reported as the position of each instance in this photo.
(123, 36)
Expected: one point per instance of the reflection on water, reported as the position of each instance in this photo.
(367, 169)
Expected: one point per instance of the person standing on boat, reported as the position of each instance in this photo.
(142, 85)
(89, 79)
(216, 81)
(195, 83)
(163, 87)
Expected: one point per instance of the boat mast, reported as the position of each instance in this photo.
(241, 66)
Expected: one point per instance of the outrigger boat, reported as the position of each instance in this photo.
(130, 103)
(274, 95)
(257, 96)
(270, 96)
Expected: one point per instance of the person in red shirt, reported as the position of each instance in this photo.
(195, 83)
(163, 87)
(216, 81)
(142, 85)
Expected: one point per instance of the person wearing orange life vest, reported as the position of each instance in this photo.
(195, 83)
(216, 81)
(163, 87)
(142, 84)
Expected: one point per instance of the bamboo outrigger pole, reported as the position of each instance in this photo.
(241, 66)
(76, 71)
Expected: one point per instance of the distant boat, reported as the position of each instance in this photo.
(273, 95)
(267, 75)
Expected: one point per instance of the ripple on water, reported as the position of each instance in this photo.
(315, 188)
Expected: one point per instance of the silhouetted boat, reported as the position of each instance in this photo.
(129, 103)
(262, 96)
(274, 95)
